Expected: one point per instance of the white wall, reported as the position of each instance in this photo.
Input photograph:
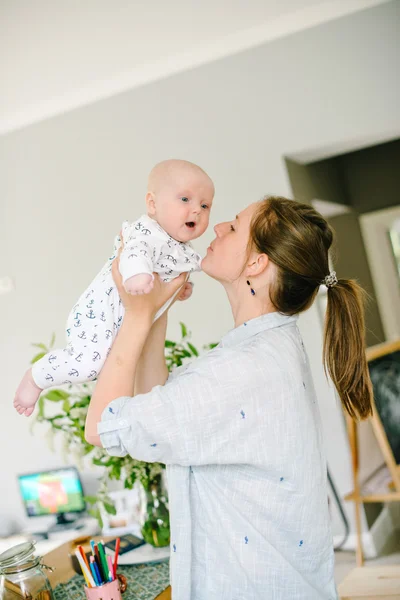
(375, 227)
(67, 183)
(62, 55)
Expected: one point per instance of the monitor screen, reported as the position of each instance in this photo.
(52, 492)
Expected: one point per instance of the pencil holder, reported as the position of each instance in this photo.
(107, 591)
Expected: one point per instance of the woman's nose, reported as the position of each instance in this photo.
(218, 229)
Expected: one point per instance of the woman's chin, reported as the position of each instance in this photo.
(204, 264)
(206, 267)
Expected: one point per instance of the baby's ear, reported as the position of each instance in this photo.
(150, 203)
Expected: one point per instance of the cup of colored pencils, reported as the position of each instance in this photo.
(100, 572)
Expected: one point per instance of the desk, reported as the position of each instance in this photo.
(58, 559)
(371, 583)
(88, 528)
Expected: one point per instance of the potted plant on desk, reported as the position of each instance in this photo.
(68, 420)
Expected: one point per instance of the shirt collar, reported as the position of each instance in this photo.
(254, 326)
(154, 223)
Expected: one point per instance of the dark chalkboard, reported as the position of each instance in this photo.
(385, 377)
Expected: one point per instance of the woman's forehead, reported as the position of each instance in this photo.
(247, 213)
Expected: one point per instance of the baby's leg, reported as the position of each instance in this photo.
(58, 367)
(81, 360)
(91, 329)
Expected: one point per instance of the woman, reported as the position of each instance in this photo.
(239, 428)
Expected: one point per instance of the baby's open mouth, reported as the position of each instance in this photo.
(190, 224)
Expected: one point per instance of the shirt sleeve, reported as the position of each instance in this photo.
(207, 414)
(138, 256)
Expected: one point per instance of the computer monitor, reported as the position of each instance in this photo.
(55, 492)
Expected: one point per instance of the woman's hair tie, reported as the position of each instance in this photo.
(330, 280)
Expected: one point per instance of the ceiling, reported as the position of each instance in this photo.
(57, 55)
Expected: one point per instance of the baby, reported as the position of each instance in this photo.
(178, 200)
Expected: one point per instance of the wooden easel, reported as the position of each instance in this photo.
(357, 495)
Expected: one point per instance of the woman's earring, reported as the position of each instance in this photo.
(251, 289)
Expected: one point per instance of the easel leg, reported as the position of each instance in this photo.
(359, 549)
(353, 439)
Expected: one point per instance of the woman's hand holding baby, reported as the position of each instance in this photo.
(149, 302)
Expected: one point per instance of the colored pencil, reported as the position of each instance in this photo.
(86, 573)
(94, 571)
(81, 550)
(117, 545)
(110, 567)
(103, 560)
(92, 546)
(98, 572)
(99, 565)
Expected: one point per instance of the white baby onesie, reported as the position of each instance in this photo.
(95, 319)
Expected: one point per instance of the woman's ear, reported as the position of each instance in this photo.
(150, 204)
(256, 264)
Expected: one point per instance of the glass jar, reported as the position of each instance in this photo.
(22, 575)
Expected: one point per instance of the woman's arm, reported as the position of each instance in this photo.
(152, 369)
(118, 374)
(217, 411)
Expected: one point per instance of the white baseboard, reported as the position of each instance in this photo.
(351, 544)
(373, 540)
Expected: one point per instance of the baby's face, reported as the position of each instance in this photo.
(182, 204)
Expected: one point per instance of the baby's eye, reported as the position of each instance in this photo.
(204, 206)
(184, 199)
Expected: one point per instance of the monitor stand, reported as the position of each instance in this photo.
(62, 524)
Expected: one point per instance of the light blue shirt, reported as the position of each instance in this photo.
(240, 433)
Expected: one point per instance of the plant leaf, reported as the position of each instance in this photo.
(41, 407)
(110, 508)
(115, 471)
(169, 344)
(192, 349)
(90, 499)
(53, 339)
(37, 357)
(94, 512)
(210, 346)
(184, 331)
(56, 395)
(41, 346)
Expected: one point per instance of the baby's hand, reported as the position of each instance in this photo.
(139, 284)
(186, 291)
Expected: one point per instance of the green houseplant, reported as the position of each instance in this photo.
(64, 411)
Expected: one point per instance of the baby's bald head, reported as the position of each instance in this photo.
(179, 197)
(173, 169)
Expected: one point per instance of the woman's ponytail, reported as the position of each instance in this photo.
(297, 239)
(344, 347)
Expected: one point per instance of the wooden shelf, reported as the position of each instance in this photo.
(377, 488)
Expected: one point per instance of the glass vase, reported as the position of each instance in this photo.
(155, 514)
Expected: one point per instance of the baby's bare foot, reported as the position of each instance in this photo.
(27, 395)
